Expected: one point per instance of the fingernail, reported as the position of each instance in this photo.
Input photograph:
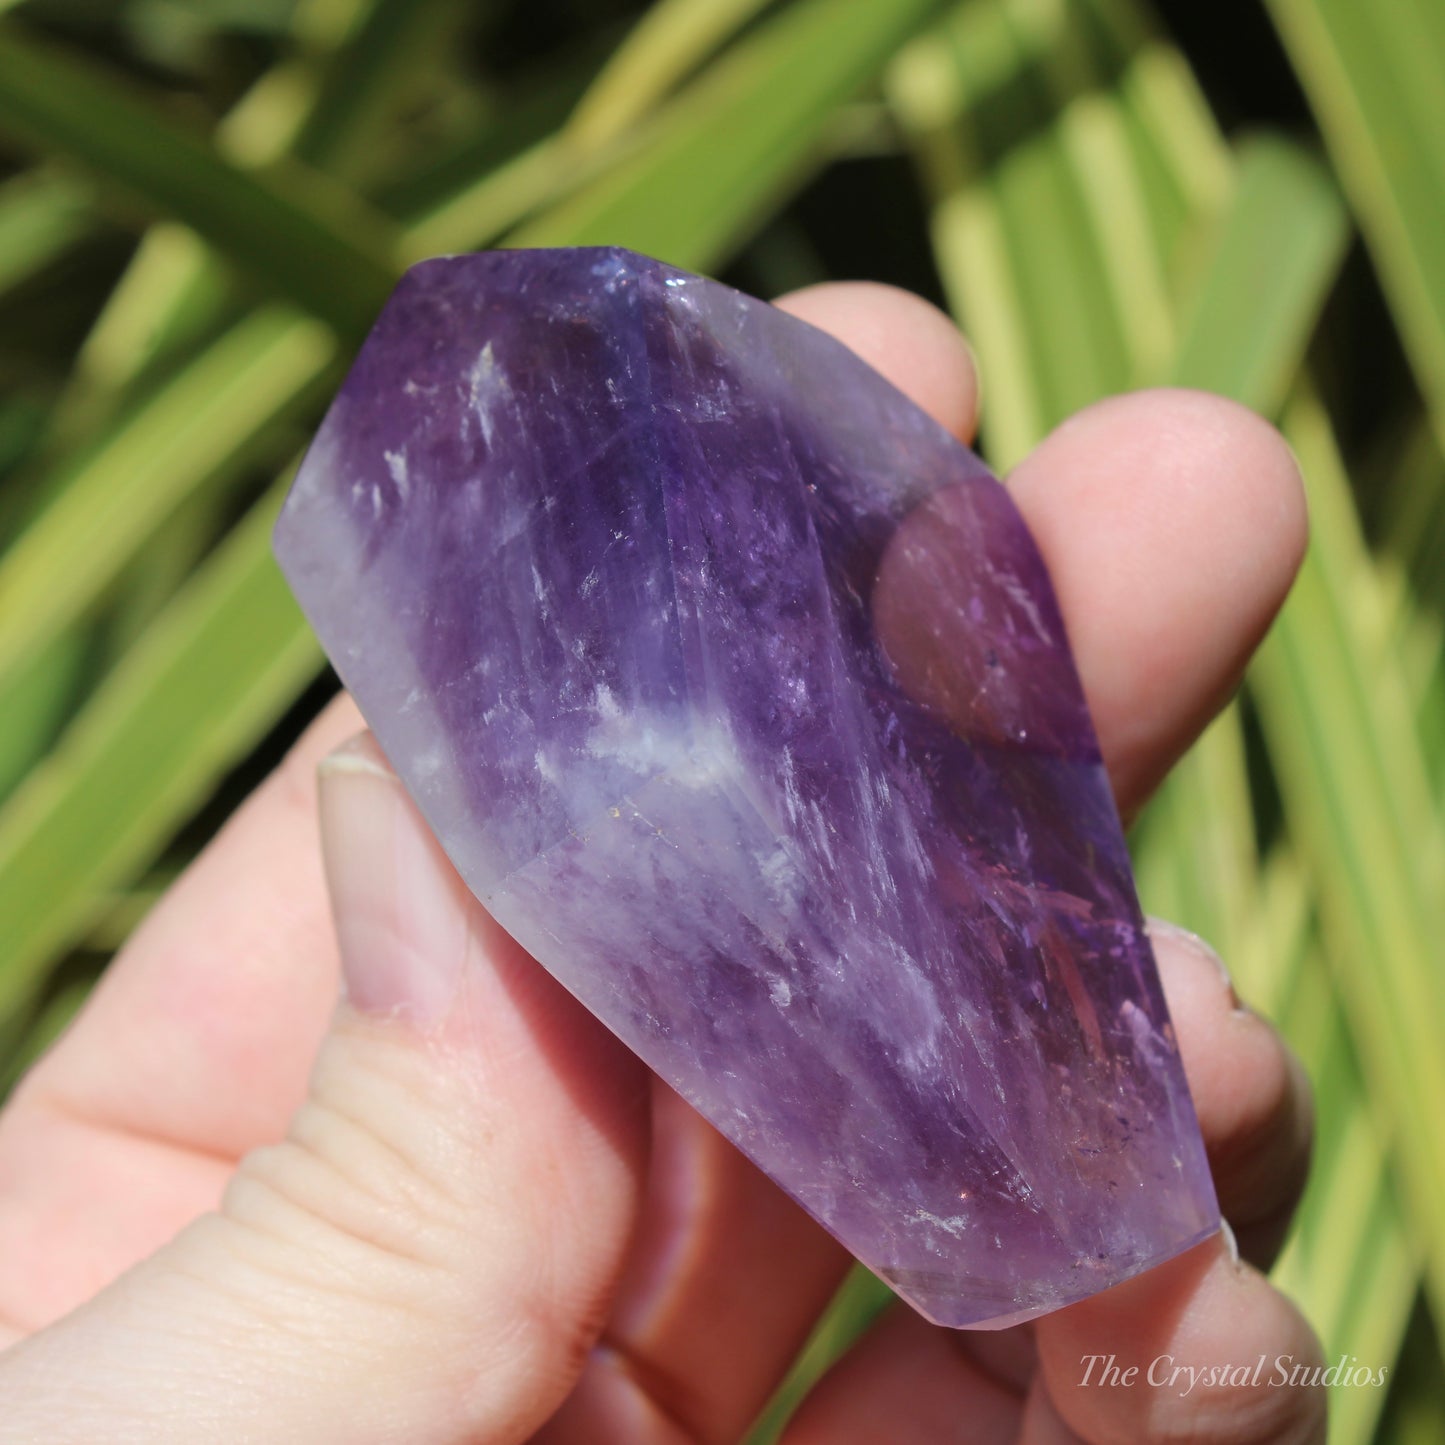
(1231, 1244)
(398, 907)
(1193, 943)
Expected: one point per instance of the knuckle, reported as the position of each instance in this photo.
(358, 1198)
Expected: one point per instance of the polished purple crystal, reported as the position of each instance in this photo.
(737, 691)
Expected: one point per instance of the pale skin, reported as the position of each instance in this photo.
(453, 1210)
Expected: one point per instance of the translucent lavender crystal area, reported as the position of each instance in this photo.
(737, 691)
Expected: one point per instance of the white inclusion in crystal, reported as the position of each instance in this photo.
(548, 773)
(792, 799)
(776, 870)
(819, 831)
(486, 384)
(781, 992)
(1146, 1037)
(606, 704)
(396, 465)
(653, 745)
(915, 854)
(955, 1224)
(1021, 597)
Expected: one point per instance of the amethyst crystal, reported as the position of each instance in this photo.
(737, 691)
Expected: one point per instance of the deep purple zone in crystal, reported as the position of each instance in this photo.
(594, 543)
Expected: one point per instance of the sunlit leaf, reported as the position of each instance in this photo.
(40, 215)
(1373, 73)
(218, 669)
(205, 422)
(746, 131)
(333, 259)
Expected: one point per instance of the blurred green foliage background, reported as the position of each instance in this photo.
(204, 202)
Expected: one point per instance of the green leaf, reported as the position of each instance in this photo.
(43, 1030)
(224, 661)
(1344, 748)
(1350, 1260)
(1040, 217)
(1413, 538)
(1274, 259)
(716, 160)
(526, 114)
(1337, 713)
(1415, 1414)
(665, 45)
(1196, 859)
(672, 38)
(388, 51)
(37, 701)
(206, 422)
(321, 108)
(333, 257)
(169, 299)
(1373, 75)
(935, 86)
(1350, 1257)
(41, 215)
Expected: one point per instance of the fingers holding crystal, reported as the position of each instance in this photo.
(1249, 1091)
(1216, 1354)
(908, 1380)
(914, 344)
(723, 1285)
(447, 1212)
(194, 1048)
(922, 353)
(1201, 1348)
(1172, 523)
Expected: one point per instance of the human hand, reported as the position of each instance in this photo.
(454, 1209)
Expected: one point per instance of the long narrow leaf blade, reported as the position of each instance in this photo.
(266, 368)
(226, 659)
(1276, 255)
(722, 154)
(1373, 73)
(333, 261)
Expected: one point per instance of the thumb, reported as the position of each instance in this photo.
(430, 1251)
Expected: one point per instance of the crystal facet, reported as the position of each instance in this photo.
(736, 689)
